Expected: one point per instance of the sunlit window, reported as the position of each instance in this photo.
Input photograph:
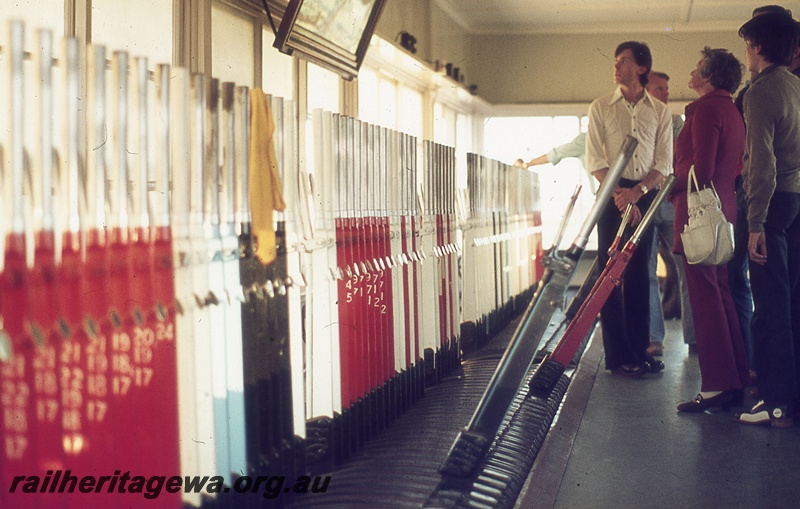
(276, 68)
(509, 138)
(463, 146)
(369, 104)
(142, 28)
(232, 50)
(383, 101)
(409, 119)
(444, 125)
(323, 89)
(388, 102)
(35, 14)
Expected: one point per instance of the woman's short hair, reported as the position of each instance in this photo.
(641, 53)
(723, 68)
(776, 34)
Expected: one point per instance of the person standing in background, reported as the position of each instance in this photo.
(676, 298)
(712, 143)
(771, 180)
(629, 110)
(674, 290)
(738, 267)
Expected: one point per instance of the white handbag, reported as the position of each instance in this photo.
(708, 238)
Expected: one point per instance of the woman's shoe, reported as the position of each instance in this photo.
(777, 416)
(701, 404)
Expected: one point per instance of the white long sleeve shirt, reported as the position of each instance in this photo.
(574, 148)
(611, 118)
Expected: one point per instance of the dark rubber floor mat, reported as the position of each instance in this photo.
(399, 467)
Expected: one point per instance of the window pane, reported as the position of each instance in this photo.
(410, 119)
(323, 89)
(509, 138)
(142, 28)
(36, 14)
(444, 125)
(276, 68)
(463, 146)
(388, 101)
(232, 52)
(369, 104)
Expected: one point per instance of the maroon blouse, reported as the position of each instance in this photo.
(712, 140)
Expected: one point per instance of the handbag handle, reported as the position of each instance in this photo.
(692, 179)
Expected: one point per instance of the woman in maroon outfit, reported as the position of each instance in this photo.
(713, 141)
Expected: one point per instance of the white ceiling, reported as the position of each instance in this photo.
(598, 16)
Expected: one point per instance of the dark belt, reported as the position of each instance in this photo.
(623, 182)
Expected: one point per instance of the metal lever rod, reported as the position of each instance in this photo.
(71, 156)
(95, 198)
(118, 195)
(605, 191)
(159, 204)
(565, 218)
(43, 197)
(138, 199)
(15, 158)
(472, 442)
(227, 190)
(550, 369)
(211, 175)
(622, 224)
(241, 182)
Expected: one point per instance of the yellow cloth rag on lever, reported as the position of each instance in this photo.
(266, 193)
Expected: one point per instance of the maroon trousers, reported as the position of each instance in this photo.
(720, 347)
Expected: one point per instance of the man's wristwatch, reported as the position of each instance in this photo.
(643, 188)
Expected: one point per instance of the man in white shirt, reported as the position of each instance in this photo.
(629, 110)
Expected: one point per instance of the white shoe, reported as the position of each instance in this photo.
(778, 416)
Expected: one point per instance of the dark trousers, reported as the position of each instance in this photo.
(738, 266)
(776, 294)
(625, 317)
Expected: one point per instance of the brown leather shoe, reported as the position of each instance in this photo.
(700, 404)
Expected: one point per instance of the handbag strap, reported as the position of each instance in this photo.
(693, 179)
